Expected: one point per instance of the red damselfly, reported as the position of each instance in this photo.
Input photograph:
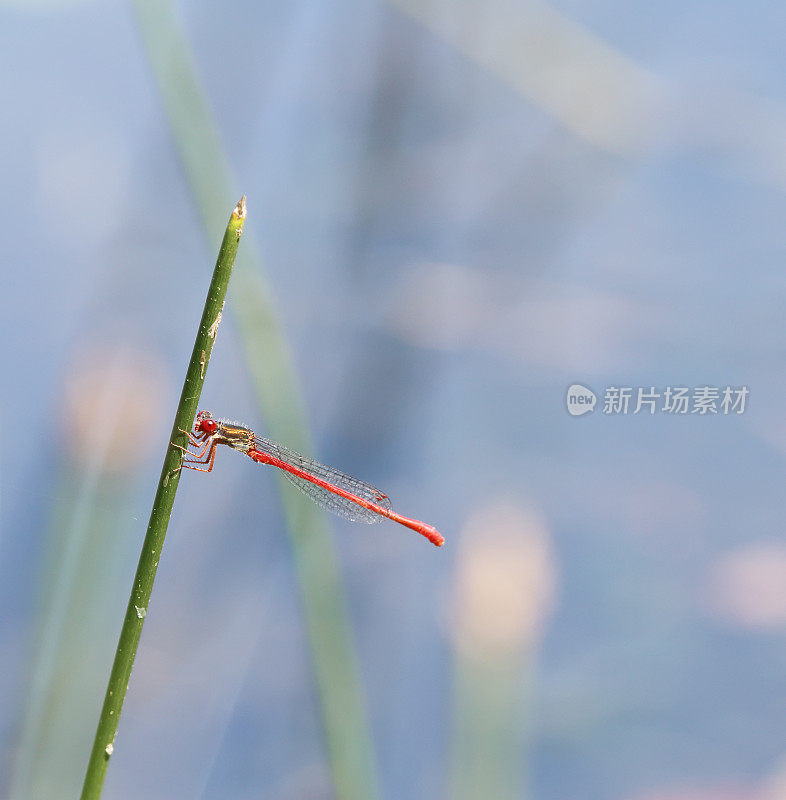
(329, 488)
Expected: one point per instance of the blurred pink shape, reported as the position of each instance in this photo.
(747, 586)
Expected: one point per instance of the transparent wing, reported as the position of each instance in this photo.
(323, 497)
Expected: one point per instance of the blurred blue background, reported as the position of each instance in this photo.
(461, 209)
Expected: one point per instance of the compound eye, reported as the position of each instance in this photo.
(205, 423)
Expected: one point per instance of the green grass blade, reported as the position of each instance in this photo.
(103, 745)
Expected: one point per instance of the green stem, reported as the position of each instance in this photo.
(103, 745)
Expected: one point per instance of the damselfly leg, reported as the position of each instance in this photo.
(205, 453)
(209, 459)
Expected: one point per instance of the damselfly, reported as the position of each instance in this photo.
(329, 488)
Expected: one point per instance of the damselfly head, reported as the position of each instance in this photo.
(205, 423)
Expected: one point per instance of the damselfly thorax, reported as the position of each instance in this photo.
(238, 437)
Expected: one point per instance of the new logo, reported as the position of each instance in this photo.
(580, 400)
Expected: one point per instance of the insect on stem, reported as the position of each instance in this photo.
(328, 487)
